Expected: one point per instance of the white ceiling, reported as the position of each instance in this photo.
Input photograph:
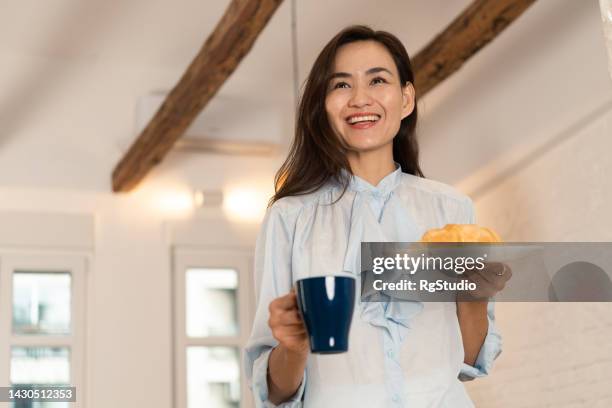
(72, 71)
(166, 34)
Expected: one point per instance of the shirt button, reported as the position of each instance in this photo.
(390, 353)
(395, 398)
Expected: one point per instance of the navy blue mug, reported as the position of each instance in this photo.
(326, 304)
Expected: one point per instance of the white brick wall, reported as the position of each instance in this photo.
(554, 354)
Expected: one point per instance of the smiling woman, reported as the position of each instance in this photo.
(353, 176)
(359, 72)
(365, 105)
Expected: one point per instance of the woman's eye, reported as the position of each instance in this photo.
(379, 80)
(340, 85)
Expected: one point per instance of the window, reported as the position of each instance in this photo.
(42, 322)
(212, 314)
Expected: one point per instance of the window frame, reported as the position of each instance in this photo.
(76, 265)
(184, 259)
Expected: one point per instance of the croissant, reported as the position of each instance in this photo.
(461, 233)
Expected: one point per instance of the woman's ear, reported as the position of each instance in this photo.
(408, 95)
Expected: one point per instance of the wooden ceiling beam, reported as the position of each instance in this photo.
(230, 41)
(236, 33)
(467, 34)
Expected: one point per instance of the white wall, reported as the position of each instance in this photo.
(556, 354)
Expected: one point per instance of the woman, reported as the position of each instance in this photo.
(353, 175)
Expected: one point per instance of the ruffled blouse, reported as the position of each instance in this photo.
(401, 354)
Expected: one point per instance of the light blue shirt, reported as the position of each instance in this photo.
(401, 354)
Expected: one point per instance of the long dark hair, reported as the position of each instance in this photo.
(316, 154)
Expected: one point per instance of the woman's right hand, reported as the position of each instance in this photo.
(287, 361)
(287, 324)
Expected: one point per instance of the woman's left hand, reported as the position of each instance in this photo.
(489, 281)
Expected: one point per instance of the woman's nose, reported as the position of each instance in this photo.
(359, 97)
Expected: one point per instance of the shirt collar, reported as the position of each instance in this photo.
(383, 188)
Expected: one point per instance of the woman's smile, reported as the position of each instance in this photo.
(364, 120)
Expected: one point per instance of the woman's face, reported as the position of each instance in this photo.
(365, 101)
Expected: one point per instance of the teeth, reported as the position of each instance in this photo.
(355, 119)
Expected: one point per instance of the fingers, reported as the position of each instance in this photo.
(284, 313)
(288, 332)
(288, 318)
(290, 336)
(497, 275)
(507, 272)
(286, 323)
(287, 327)
(488, 281)
(481, 284)
(491, 274)
(287, 302)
